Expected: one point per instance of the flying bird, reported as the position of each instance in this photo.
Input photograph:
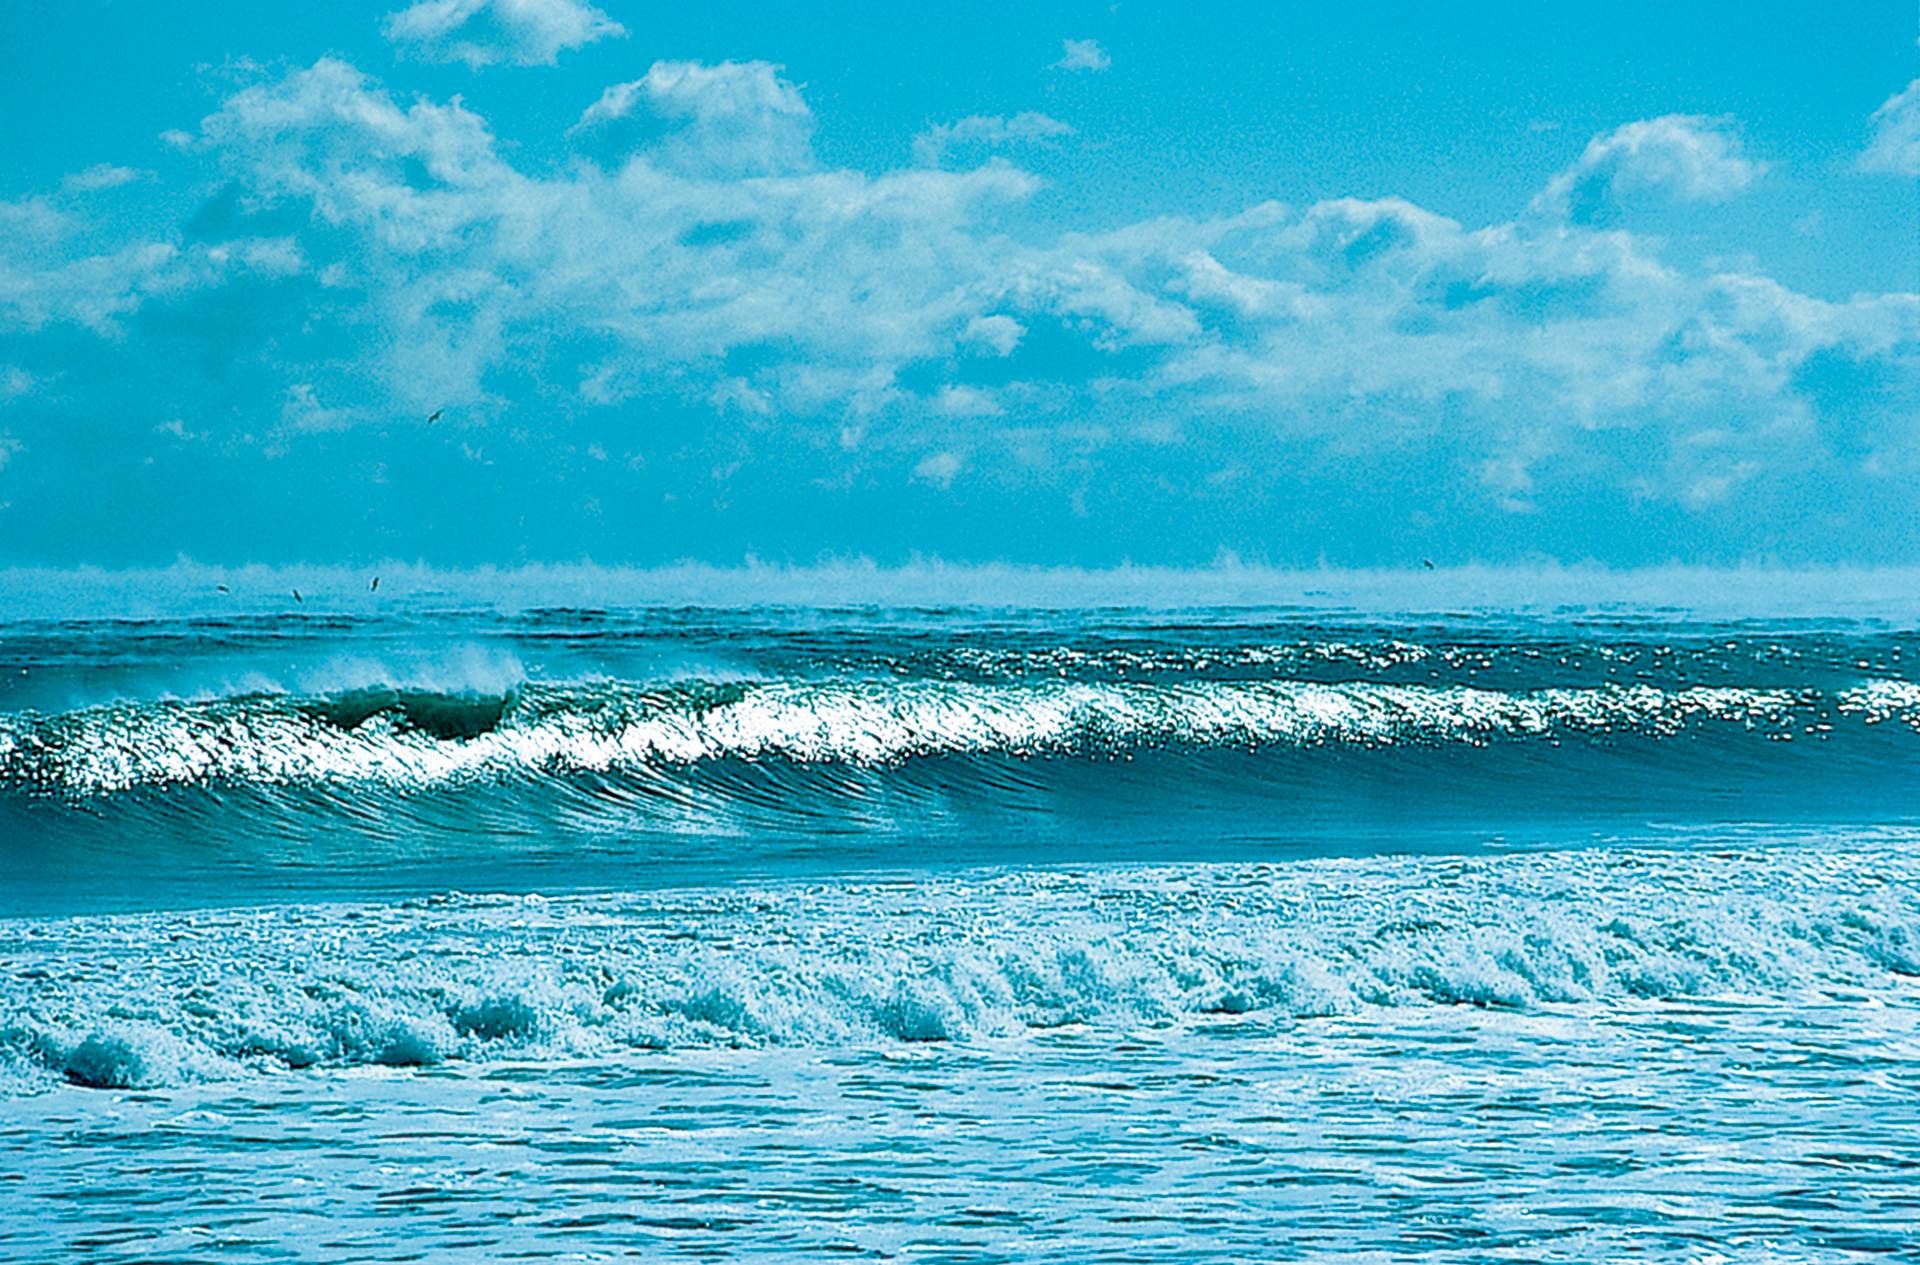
(1427, 563)
(434, 416)
(298, 598)
(221, 587)
(375, 586)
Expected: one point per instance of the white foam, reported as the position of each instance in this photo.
(1881, 701)
(148, 999)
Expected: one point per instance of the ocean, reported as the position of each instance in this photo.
(405, 925)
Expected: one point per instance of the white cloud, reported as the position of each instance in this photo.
(303, 410)
(1206, 281)
(939, 469)
(268, 256)
(665, 261)
(101, 176)
(1895, 147)
(1077, 280)
(985, 131)
(93, 291)
(738, 393)
(966, 401)
(728, 90)
(33, 221)
(485, 32)
(1686, 157)
(1509, 477)
(737, 117)
(50, 275)
(996, 333)
(719, 263)
(1084, 55)
(329, 134)
(1363, 324)
(1539, 333)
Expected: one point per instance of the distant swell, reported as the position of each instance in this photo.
(416, 738)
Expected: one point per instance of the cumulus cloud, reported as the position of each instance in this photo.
(897, 316)
(717, 253)
(1208, 282)
(486, 32)
(329, 135)
(1083, 55)
(1895, 147)
(1539, 340)
(1685, 157)
(978, 132)
(679, 258)
(736, 117)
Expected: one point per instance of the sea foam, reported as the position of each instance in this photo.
(133, 1000)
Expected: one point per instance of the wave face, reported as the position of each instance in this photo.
(674, 737)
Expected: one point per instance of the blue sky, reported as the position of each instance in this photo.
(1357, 284)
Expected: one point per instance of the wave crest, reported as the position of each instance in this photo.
(420, 738)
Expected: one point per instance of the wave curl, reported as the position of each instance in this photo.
(414, 738)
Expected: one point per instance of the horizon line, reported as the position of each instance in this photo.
(187, 587)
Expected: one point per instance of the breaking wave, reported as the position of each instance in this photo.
(133, 1000)
(418, 738)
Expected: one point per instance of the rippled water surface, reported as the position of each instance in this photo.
(1204, 935)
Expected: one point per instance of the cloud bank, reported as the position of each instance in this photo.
(691, 280)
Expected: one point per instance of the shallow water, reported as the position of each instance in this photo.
(1214, 935)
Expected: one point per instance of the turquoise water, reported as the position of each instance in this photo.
(959, 934)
